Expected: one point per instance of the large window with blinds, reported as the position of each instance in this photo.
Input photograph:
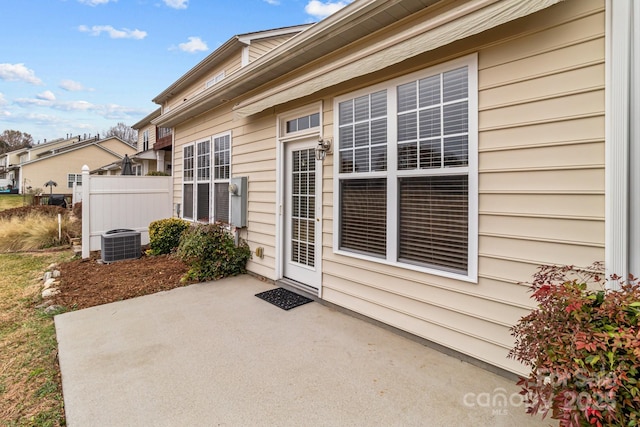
(406, 188)
(206, 172)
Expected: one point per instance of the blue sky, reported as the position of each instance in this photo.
(82, 66)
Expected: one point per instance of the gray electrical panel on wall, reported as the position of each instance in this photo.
(238, 193)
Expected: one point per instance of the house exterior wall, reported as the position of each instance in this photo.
(229, 66)
(118, 146)
(56, 168)
(259, 47)
(541, 181)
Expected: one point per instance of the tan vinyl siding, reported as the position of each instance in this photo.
(253, 154)
(152, 136)
(541, 185)
(541, 179)
(257, 48)
(229, 66)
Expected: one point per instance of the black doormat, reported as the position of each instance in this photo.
(283, 298)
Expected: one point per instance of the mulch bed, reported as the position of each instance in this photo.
(87, 283)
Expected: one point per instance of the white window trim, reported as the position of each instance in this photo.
(218, 181)
(283, 137)
(307, 110)
(471, 61)
(214, 80)
(622, 133)
(75, 179)
(191, 181)
(145, 140)
(197, 180)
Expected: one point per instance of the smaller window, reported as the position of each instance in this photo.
(74, 177)
(137, 169)
(145, 140)
(303, 123)
(214, 80)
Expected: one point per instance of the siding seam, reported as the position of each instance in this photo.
(542, 145)
(543, 216)
(542, 240)
(527, 101)
(441, 287)
(553, 72)
(544, 168)
(434, 322)
(544, 121)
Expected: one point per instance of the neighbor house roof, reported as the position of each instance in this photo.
(147, 119)
(357, 20)
(78, 146)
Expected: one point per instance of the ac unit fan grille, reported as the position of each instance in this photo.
(118, 245)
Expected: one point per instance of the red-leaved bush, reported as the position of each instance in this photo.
(582, 344)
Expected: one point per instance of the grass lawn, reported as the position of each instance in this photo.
(30, 388)
(8, 201)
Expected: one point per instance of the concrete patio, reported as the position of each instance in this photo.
(213, 354)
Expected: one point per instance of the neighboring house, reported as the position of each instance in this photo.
(63, 163)
(154, 146)
(467, 147)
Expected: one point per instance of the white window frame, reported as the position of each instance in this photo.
(392, 174)
(215, 181)
(74, 178)
(191, 181)
(214, 80)
(204, 180)
(308, 110)
(145, 140)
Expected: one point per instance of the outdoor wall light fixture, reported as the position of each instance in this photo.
(323, 147)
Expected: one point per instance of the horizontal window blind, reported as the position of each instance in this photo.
(363, 222)
(203, 202)
(221, 202)
(187, 201)
(433, 221)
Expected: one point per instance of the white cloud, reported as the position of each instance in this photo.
(195, 44)
(18, 72)
(124, 33)
(107, 111)
(320, 10)
(95, 2)
(177, 4)
(47, 95)
(73, 86)
(3, 100)
(273, 2)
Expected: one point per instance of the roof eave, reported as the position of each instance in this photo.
(276, 61)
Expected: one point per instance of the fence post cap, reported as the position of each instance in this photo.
(85, 169)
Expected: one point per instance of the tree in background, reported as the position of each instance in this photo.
(11, 140)
(124, 132)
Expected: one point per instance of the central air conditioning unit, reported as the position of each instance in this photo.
(120, 244)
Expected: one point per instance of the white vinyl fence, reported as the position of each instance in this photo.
(117, 202)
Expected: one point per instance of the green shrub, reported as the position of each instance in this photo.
(164, 235)
(158, 173)
(583, 347)
(211, 252)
